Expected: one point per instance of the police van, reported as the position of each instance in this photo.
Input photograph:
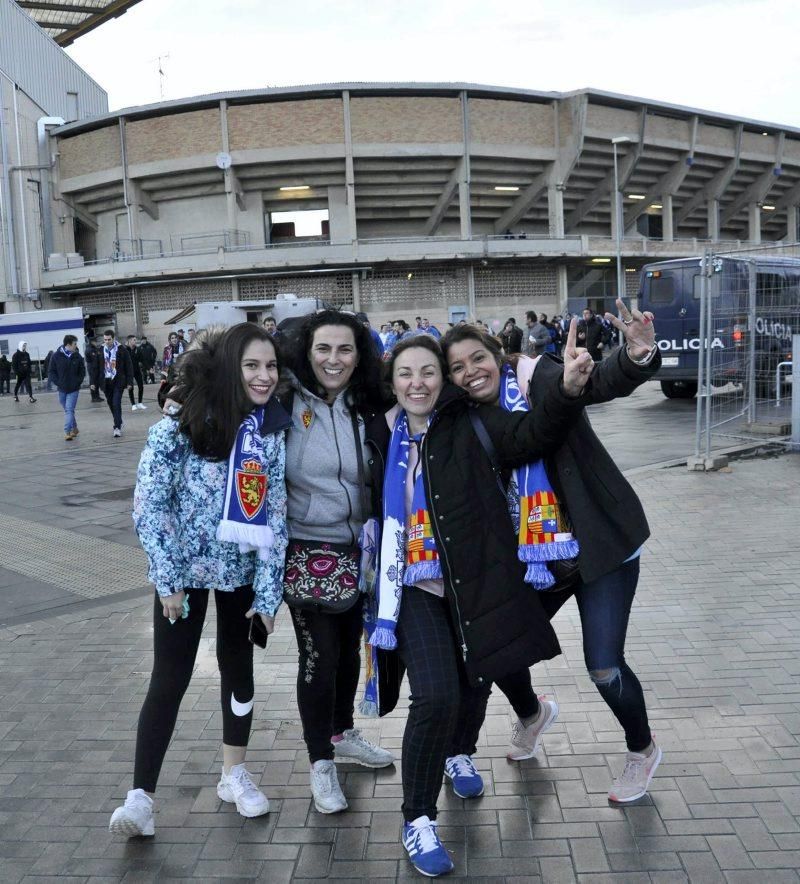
(671, 291)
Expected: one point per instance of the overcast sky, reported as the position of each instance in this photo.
(739, 57)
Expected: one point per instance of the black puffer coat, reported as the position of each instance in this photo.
(499, 621)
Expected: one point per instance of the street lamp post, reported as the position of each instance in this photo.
(618, 216)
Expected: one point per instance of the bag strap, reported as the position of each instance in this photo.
(362, 484)
(488, 446)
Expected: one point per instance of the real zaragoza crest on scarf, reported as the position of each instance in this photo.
(251, 488)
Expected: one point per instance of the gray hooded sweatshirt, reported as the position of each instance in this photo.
(323, 494)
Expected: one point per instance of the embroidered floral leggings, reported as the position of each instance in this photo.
(327, 677)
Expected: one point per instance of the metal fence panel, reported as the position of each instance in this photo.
(749, 310)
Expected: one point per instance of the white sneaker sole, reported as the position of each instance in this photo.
(224, 794)
(321, 809)
(644, 791)
(522, 753)
(351, 759)
(130, 828)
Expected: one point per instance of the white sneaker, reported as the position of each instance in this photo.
(135, 817)
(142, 407)
(328, 795)
(525, 740)
(117, 433)
(134, 407)
(632, 783)
(355, 749)
(237, 787)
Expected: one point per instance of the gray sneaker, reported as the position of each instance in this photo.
(525, 740)
(135, 817)
(328, 795)
(353, 748)
(632, 783)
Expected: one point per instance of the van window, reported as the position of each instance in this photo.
(662, 289)
(714, 285)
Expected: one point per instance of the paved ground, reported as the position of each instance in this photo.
(714, 636)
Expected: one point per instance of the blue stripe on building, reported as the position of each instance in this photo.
(51, 325)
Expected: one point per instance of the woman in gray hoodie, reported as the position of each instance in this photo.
(336, 388)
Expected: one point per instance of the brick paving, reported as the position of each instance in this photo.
(714, 636)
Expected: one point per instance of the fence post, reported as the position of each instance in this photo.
(698, 423)
(795, 443)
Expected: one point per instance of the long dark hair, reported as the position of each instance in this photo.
(470, 333)
(367, 390)
(210, 386)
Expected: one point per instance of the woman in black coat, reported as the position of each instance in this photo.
(609, 523)
(466, 617)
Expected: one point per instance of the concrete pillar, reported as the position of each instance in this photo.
(555, 210)
(668, 234)
(356, 281)
(228, 174)
(349, 169)
(339, 216)
(561, 288)
(754, 222)
(464, 209)
(713, 220)
(791, 223)
(471, 308)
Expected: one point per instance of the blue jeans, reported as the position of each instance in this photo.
(605, 606)
(68, 402)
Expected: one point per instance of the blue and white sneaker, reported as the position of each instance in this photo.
(426, 852)
(467, 782)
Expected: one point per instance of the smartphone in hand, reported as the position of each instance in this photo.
(258, 632)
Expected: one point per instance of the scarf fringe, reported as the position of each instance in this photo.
(422, 571)
(368, 708)
(548, 552)
(384, 637)
(539, 576)
(250, 538)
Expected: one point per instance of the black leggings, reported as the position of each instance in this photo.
(446, 713)
(327, 675)
(175, 649)
(23, 383)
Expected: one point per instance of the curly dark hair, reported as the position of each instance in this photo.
(209, 385)
(367, 391)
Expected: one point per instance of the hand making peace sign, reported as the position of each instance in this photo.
(578, 364)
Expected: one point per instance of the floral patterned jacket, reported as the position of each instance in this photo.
(177, 506)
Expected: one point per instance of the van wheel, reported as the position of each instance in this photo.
(679, 389)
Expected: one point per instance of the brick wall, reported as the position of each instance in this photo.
(334, 288)
(174, 136)
(286, 124)
(404, 119)
(510, 122)
(90, 152)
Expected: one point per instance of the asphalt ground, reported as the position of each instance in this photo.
(714, 637)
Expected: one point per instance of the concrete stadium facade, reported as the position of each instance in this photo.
(441, 199)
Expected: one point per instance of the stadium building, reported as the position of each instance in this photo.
(402, 199)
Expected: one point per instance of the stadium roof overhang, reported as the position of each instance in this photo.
(66, 20)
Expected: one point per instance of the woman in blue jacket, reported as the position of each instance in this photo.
(210, 512)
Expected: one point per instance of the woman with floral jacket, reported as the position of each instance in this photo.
(210, 512)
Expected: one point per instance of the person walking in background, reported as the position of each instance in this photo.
(5, 375)
(48, 387)
(147, 359)
(136, 362)
(537, 337)
(172, 351)
(511, 337)
(590, 334)
(203, 528)
(94, 368)
(21, 363)
(67, 371)
(117, 376)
